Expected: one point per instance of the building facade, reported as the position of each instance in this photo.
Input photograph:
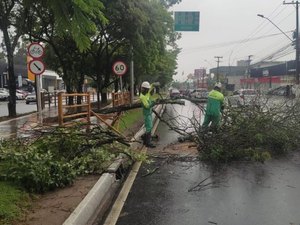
(262, 76)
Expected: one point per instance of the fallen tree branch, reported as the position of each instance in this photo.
(172, 127)
(136, 105)
(195, 100)
(151, 172)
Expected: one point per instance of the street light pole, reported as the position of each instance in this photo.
(297, 37)
(297, 43)
(262, 16)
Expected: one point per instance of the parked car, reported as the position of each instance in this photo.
(30, 98)
(24, 93)
(199, 93)
(244, 97)
(3, 95)
(175, 93)
(20, 95)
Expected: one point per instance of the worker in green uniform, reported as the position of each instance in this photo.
(214, 107)
(147, 103)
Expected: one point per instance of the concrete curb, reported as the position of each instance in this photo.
(97, 201)
(92, 201)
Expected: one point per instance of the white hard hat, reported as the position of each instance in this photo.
(218, 84)
(146, 84)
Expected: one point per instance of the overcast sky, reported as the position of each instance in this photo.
(232, 29)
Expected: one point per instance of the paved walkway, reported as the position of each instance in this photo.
(16, 127)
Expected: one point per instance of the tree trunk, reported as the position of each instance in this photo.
(11, 76)
(104, 96)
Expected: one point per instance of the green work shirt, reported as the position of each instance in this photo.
(214, 103)
(147, 104)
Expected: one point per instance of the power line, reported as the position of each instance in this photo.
(259, 29)
(224, 44)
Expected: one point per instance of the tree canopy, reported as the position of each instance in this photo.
(84, 37)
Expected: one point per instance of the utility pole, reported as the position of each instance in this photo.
(218, 62)
(297, 37)
(131, 75)
(248, 69)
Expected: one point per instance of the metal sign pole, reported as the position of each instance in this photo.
(39, 99)
(121, 84)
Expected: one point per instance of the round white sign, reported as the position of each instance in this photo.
(119, 68)
(35, 50)
(36, 67)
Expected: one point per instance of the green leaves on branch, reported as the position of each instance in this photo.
(57, 157)
(75, 17)
(252, 133)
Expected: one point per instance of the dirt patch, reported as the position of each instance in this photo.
(54, 208)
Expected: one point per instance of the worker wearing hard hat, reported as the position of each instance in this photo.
(147, 103)
(214, 107)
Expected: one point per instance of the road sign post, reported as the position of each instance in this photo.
(37, 67)
(120, 68)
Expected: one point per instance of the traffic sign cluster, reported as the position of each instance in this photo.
(36, 51)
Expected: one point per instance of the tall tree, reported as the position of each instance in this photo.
(13, 16)
(145, 25)
(70, 17)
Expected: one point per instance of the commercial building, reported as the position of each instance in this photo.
(25, 79)
(262, 75)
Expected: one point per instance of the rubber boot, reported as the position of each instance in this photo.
(148, 141)
(144, 139)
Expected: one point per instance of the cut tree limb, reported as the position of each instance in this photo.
(136, 105)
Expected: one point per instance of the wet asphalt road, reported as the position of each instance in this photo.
(188, 192)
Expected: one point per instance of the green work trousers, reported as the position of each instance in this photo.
(214, 119)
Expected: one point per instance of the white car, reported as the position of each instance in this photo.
(175, 93)
(244, 97)
(3, 95)
(199, 93)
(30, 98)
(20, 96)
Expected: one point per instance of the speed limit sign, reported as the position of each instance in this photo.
(119, 68)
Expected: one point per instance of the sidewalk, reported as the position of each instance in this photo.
(17, 126)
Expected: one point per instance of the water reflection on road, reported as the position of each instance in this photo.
(181, 116)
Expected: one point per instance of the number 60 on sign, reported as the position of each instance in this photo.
(119, 68)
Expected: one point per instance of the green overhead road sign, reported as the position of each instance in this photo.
(187, 21)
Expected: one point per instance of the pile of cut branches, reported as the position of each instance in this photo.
(253, 132)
